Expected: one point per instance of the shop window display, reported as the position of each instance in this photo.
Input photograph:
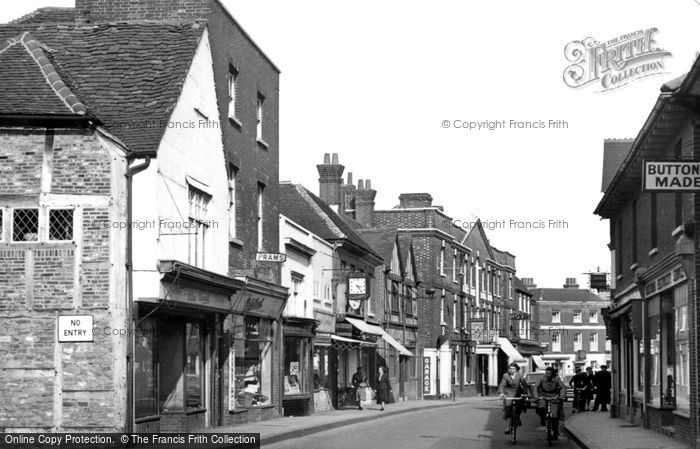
(296, 362)
(252, 361)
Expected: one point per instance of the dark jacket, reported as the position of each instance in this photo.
(383, 389)
(357, 379)
(603, 382)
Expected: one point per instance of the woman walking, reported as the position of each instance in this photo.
(383, 387)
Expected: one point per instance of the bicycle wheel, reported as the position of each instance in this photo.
(549, 430)
(513, 426)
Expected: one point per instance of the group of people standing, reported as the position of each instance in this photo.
(384, 391)
(586, 384)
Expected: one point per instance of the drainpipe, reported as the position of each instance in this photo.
(130, 172)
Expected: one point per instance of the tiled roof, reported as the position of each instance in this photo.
(128, 75)
(614, 153)
(382, 241)
(50, 14)
(564, 294)
(29, 83)
(305, 208)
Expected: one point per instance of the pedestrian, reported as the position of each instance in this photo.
(590, 387)
(383, 387)
(512, 385)
(603, 383)
(359, 381)
(577, 383)
(550, 386)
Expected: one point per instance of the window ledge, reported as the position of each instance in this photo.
(682, 413)
(195, 411)
(235, 242)
(263, 144)
(653, 251)
(235, 122)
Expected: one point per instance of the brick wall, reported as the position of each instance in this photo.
(72, 384)
(143, 9)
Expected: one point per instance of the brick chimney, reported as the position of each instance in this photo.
(330, 179)
(411, 200)
(347, 196)
(529, 283)
(364, 203)
(570, 283)
(122, 10)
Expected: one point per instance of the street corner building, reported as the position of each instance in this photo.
(653, 319)
(138, 185)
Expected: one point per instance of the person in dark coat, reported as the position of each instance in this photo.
(383, 387)
(581, 384)
(603, 382)
(588, 392)
(359, 381)
(512, 385)
(550, 386)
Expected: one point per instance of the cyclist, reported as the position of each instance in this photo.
(512, 385)
(550, 386)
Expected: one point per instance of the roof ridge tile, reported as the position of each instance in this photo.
(64, 93)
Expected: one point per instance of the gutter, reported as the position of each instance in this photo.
(130, 318)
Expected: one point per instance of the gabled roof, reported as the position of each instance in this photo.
(305, 208)
(29, 82)
(129, 76)
(477, 232)
(564, 294)
(382, 241)
(614, 152)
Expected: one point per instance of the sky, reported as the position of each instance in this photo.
(374, 82)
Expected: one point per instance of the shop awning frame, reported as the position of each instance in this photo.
(509, 349)
(376, 330)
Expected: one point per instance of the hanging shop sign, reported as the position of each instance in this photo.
(672, 176)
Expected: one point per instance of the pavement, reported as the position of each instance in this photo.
(275, 430)
(597, 430)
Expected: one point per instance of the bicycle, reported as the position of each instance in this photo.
(515, 414)
(548, 416)
(579, 399)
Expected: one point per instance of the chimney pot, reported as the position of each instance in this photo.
(327, 158)
(350, 178)
(368, 184)
(361, 184)
(335, 159)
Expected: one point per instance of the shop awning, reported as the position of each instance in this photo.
(376, 330)
(509, 349)
(539, 362)
(345, 339)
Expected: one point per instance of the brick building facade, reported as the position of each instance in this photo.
(653, 318)
(73, 174)
(571, 328)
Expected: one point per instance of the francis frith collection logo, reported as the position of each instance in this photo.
(614, 63)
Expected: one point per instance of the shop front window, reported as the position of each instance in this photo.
(252, 361)
(296, 366)
(662, 351)
(193, 366)
(320, 368)
(680, 302)
(146, 370)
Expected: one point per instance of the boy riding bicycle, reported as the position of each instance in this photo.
(512, 385)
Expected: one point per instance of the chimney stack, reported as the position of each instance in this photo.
(570, 283)
(529, 283)
(157, 10)
(364, 203)
(330, 180)
(415, 200)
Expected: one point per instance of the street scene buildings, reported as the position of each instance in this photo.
(180, 285)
